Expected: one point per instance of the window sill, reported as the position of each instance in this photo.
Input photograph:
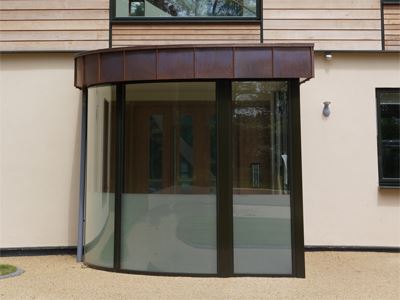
(386, 186)
(129, 20)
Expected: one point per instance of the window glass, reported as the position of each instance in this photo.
(100, 176)
(261, 194)
(389, 135)
(186, 8)
(169, 199)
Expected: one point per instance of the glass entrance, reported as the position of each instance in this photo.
(261, 195)
(169, 200)
(204, 178)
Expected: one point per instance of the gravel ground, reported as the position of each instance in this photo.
(330, 275)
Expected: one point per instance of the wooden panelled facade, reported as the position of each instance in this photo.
(391, 15)
(329, 24)
(167, 34)
(77, 25)
(58, 25)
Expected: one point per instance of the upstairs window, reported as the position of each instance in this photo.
(388, 109)
(186, 9)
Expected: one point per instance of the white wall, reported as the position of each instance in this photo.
(39, 142)
(343, 204)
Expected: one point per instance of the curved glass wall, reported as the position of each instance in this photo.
(188, 203)
(261, 198)
(100, 176)
(169, 199)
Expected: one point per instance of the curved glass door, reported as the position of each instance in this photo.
(100, 176)
(261, 196)
(169, 199)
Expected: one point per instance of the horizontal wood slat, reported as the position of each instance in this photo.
(328, 45)
(164, 34)
(354, 35)
(323, 24)
(70, 25)
(54, 25)
(391, 15)
(320, 14)
(357, 23)
(322, 4)
(38, 15)
(54, 35)
(52, 45)
(53, 4)
(118, 44)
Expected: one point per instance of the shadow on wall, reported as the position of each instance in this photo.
(388, 197)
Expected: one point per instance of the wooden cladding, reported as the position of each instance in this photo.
(391, 14)
(76, 25)
(329, 24)
(168, 34)
(58, 25)
(195, 62)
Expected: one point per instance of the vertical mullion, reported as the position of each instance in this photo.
(224, 179)
(295, 177)
(119, 173)
(82, 188)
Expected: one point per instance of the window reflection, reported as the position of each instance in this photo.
(186, 8)
(100, 176)
(169, 201)
(261, 200)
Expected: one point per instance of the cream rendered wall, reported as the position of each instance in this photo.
(40, 140)
(40, 148)
(343, 204)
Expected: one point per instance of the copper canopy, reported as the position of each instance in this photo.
(194, 62)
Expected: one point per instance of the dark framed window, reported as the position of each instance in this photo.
(191, 10)
(388, 114)
(391, 1)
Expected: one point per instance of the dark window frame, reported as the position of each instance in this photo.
(391, 1)
(131, 19)
(383, 182)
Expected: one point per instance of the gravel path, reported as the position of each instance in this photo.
(330, 275)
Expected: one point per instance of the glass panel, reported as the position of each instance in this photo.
(186, 8)
(155, 153)
(390, 134)
(261, 197)
(169, 201)
(100, 181)
(186, 153)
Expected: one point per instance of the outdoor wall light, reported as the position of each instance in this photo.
(328, 55)
(326, 111)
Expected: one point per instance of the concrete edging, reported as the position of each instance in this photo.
(14, 274)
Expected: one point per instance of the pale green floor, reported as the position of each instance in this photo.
(330, 275)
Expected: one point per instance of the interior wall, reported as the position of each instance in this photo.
(40, 150)
(343, 204)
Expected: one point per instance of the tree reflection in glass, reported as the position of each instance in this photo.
(191, 8)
